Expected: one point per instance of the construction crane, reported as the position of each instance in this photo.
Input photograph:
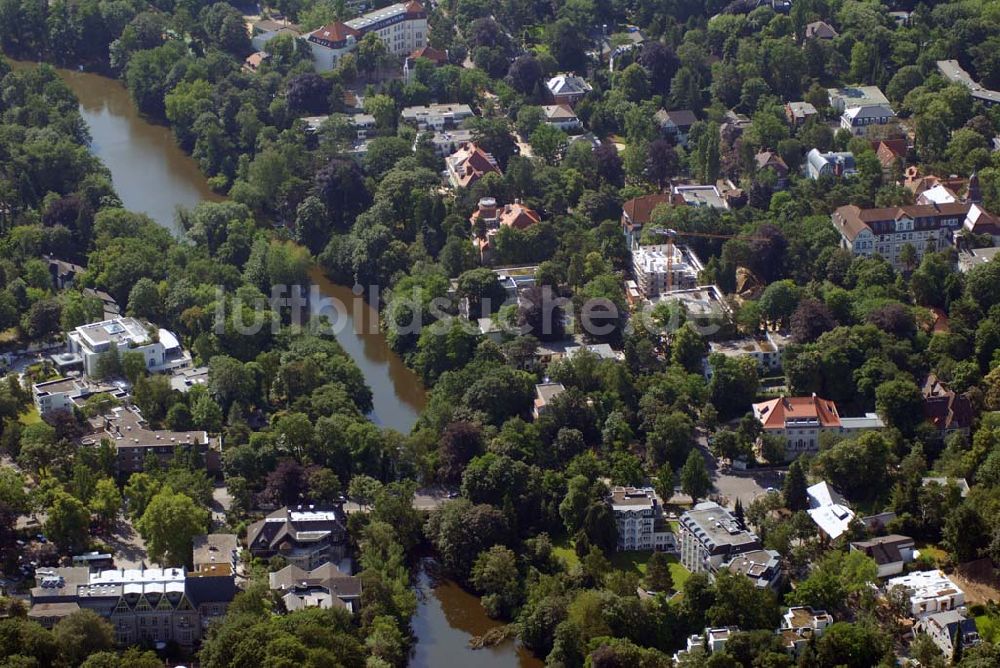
(671, 234)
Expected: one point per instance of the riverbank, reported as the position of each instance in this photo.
(153, 175)
(448, 618)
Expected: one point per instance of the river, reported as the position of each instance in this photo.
(151, 174)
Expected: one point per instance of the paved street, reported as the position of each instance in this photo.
(426, 498)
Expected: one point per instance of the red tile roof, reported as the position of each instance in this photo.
(774, 413)
(471, 163)
(639, 210)
(430, 53)
(945, 409)
(334, 32)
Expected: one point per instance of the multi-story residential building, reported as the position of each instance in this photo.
(159, 347)
(763, 567)
(144, 605)
(135, 441)
(57, 395)
(954, 73)
(488, 218)
(638, 517)
(676, 125)
(710, 538)
(829, 510)
(469, 164)
(637, 212)
(215, 549)
(857, 120)
(325, 586)
(801, 420)
(653, 265)
(925, 227)
(446, 142)
(947, 411)
(929, 592)
(944, 628)
(305, 536)
(798, 113)
(567, 89)
(767, 351)
(545, 393)
(819, 164)
(842, 99)
(401, 27)
(698, 195)
(800, 625)
(890, 553)
(436, 116)
(562, 116)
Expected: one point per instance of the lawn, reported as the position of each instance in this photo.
(989, 627)
(563, 548)
(624, 561)
(935, 553)
(30, 416)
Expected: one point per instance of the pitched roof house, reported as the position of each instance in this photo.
(829, 510)
(492, 217)
(567, 89)
(889, 151)
(945, 627)
(820, 30)
(946, 410)
(305, 535)
(637, 211)
(889, 552)
(799, 112)
(469, 164)
(676, 124)
(325, 586)
(773, 161)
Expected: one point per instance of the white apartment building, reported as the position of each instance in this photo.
(436, 116)
(842, 99)
(637, 514)
(767, 351)
(401, 27)
(926, 227)
(159, 347)
(710, 537)
(653, 264)
(857, 120)
(801, 420)
(55, 395)
(929, 591)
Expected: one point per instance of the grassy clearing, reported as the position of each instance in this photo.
(634, 562)
(29, 417)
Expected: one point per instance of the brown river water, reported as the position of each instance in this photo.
(152, 175)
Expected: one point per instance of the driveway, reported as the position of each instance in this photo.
(221, 503)
(128, 546)
(730, 485)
